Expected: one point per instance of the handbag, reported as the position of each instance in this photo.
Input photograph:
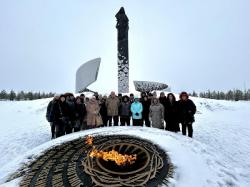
(98, 120)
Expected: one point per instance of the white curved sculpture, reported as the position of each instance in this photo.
(147, 86)
(87, 74)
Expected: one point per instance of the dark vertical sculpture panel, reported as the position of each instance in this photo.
(123, 61)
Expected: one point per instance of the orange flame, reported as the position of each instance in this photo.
(89, 140)
(113, 155)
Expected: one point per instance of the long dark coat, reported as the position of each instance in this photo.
(71, 110)
(163, 100)
(60, 112)
(171, 116)
(146, 106)
(186, 110)
(49, 115)
(103, 109)
(80, 111)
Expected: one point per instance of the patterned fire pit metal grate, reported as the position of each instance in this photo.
(69, 164)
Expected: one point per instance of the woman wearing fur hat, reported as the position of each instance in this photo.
(156, 114)
(93, 113)
(187, 109)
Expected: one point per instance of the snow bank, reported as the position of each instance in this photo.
(218, 155)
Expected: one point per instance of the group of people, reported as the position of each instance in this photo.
(67, 113)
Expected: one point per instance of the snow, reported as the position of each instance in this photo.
(23, 127)
(218, 155)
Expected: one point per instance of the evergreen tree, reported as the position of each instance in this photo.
(209, 94)
(238, 95)
(248, 94)
(43, 95)
(201, 94)
(51, 94)
(12, 95)
(230, 95)
(35, 95)
(38, 95)
(30, 96)
(3, 95)
(214, 95)
(194, 94)
(22, 95)
(222, 95)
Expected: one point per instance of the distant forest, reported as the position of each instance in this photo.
(21, 96)
(233, 95)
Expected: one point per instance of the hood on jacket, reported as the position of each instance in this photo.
(184, 94)
(155, 99)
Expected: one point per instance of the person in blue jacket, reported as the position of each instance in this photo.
(136, 109)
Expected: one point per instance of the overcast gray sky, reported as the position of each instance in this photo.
(190, 45)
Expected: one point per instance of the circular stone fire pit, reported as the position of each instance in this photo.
(141, 163)
(69, 164)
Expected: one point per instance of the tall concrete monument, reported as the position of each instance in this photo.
(123, 61)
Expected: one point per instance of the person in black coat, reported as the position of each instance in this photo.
(145, 113)
(124, 111)
(80, 114)
(70, 101)
(103, 110)
(163, 99)
(49, 115)
(187, 109)
(171, 113)
(60, 113)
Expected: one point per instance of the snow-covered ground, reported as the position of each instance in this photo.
(218, 155)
